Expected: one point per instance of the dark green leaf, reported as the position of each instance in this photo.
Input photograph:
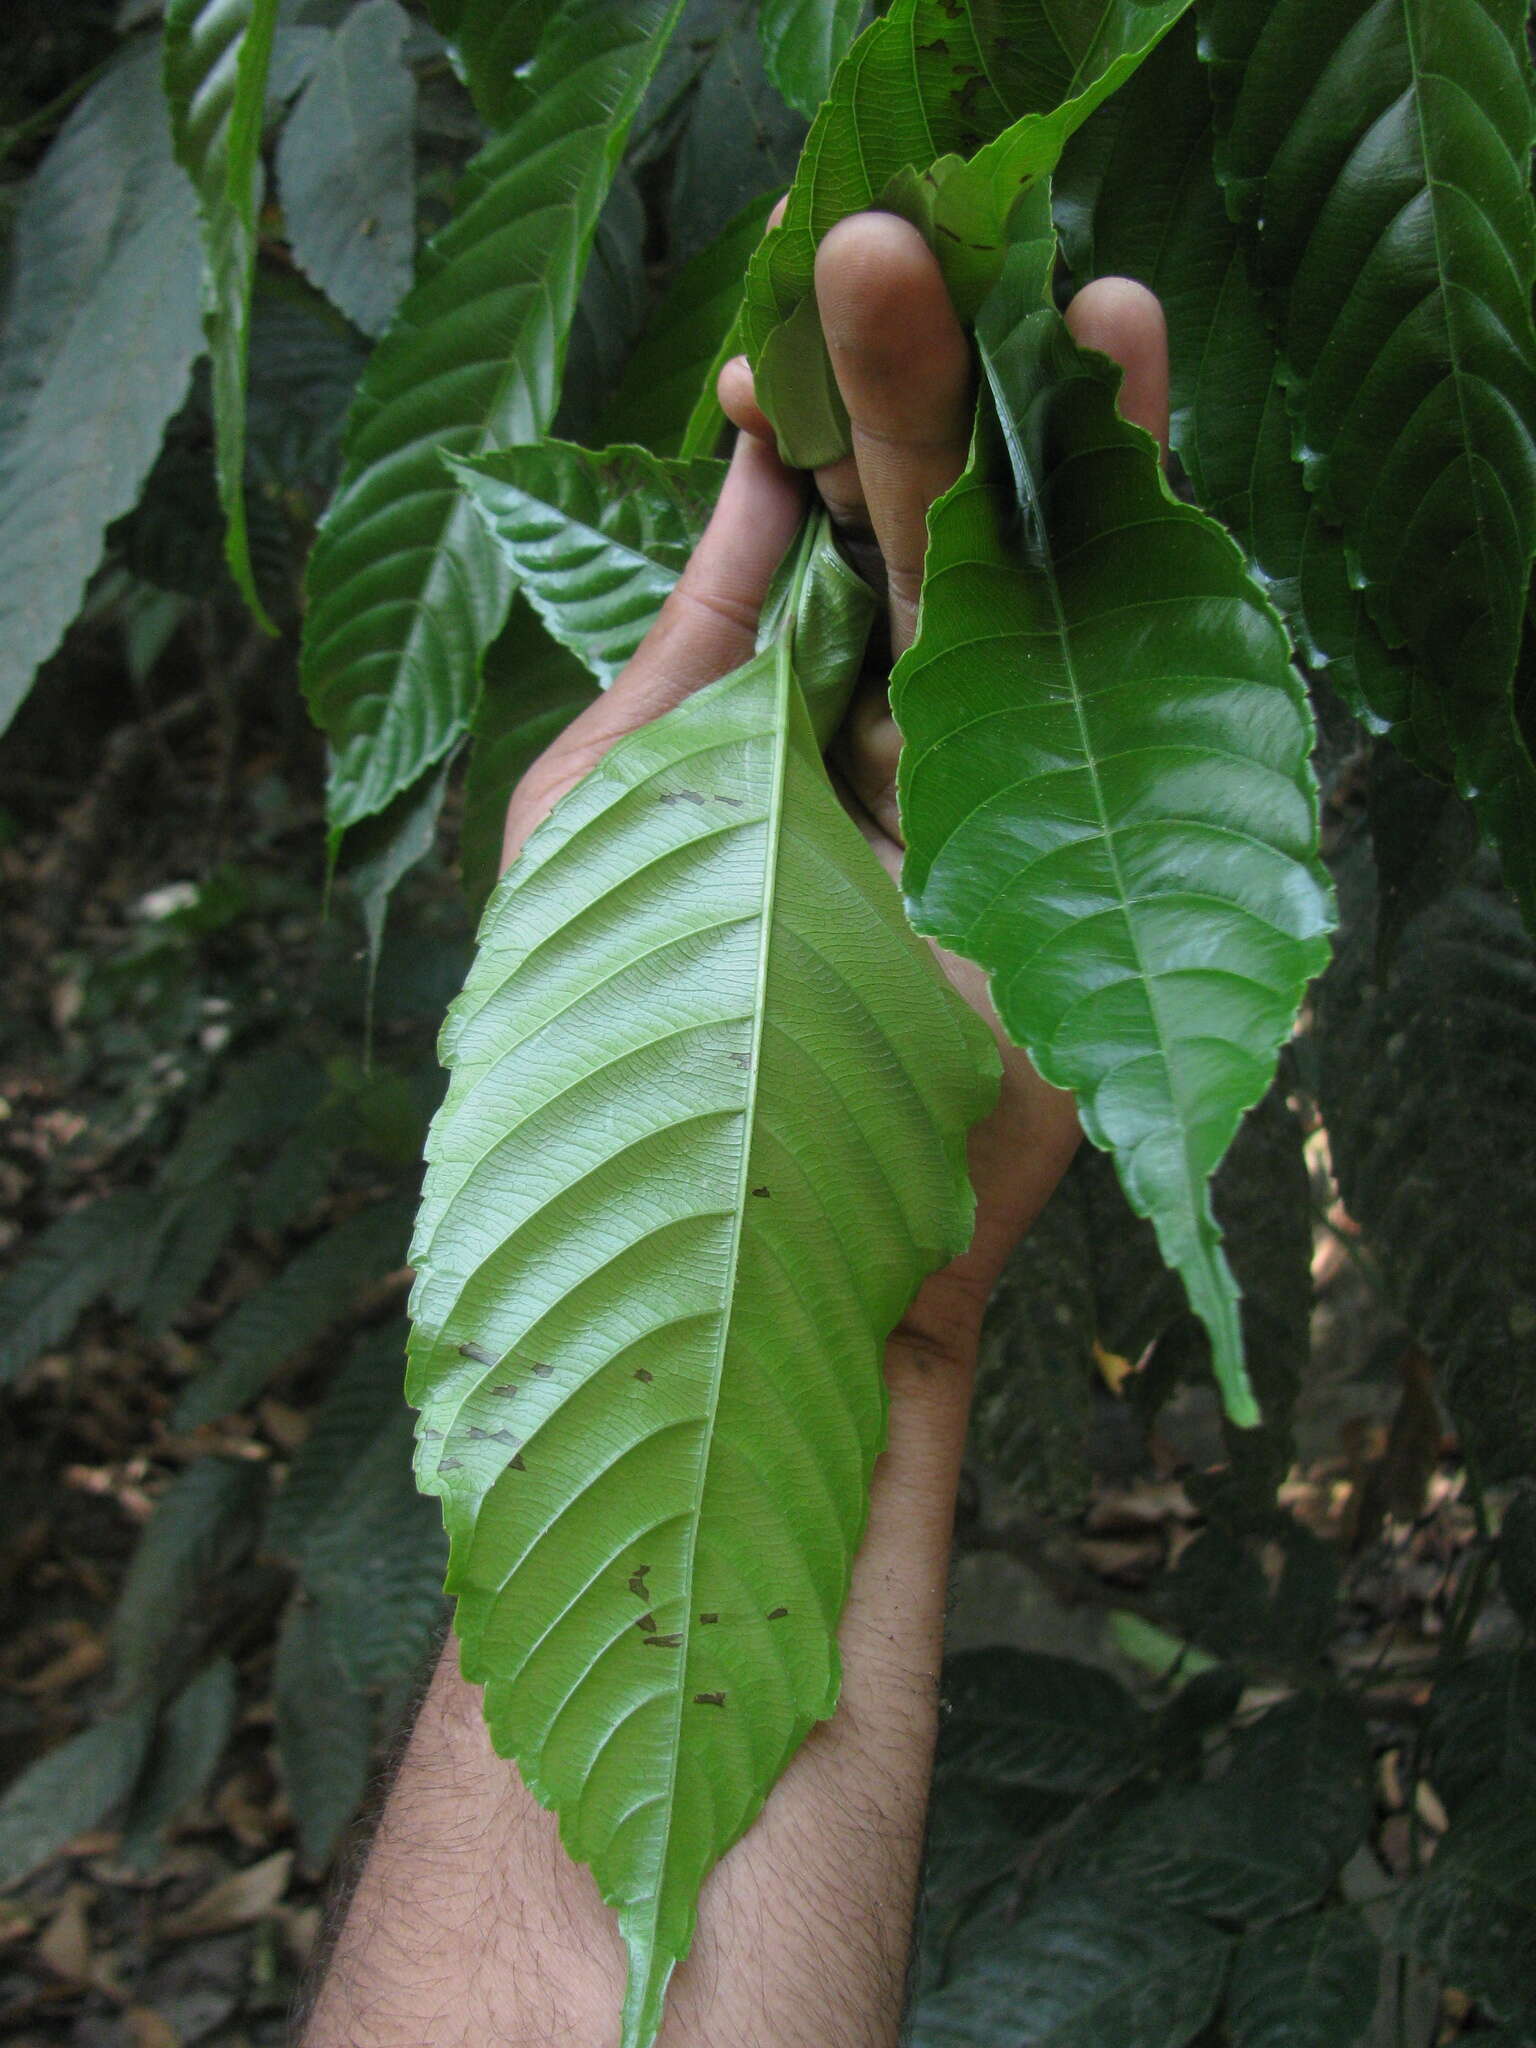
(1045, 1723)
(1082, 1969)
(804, 41)
(1427, 1084)
(741, 142)
(387, 847)
(1388, 142)
(315, 1288)
(492, 39)
(82, 1255)
(305, 364)
(346, 168)
(202, 1526)
(1482, 1727)
(216, 57)
(1517, 1555)
(72, 1788)
(1472, 1914)
(924, 88)
(1266, 1839)
(192, 1233)
(188, 1744)
(105, 244)
(406, 589)
(1311, 1980)
(610, 312)
(1141, 758)
(533, 689)
(666, 400)
(324, 1727)
(596, 541)
(630, 1420)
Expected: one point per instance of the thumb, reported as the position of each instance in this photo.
(706, 628)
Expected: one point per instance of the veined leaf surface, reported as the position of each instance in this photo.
(804, 41)
(596, 540)
(1105, 787)
(216, 58)
(925, 88)
(1387, 143)
(731, 1092)
(406, 589)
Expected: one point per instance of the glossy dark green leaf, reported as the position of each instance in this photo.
(105, 245)
(1388, 142)
(406, 590)
(1082, 1969)
(346, 167)
(596, 541)
(1311, 1980)
(491, 40)
(532, 690)
(1137, 196)
(804, 41)
(1114, 813)
(1048, 1724)
(715, 1055)
(666, 400)
(946, 116)
(216, 58)
(1427, 1083)
(1472, 1914)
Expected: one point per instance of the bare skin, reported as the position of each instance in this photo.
(470, 1924)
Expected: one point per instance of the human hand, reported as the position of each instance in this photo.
(903, 365)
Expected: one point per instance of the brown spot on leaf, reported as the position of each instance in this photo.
(761, 1192)
(743, 1060)
(449, 1464)
(646, 1624)
(477, 1435)
(777, 1613)
(664, 1642)
(683, 796)
(637, 1581)
(480, 1356)
(642, 1375)
(502, 1393)
(504, 1436)
(542, 1372)
(706, 1619)
(431, 1436)
(709, 1699)
(516, 1464)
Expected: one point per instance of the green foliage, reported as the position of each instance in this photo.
(659, 1389)
(80, 1257)
(72, 1788)
(1174, 833)
(1304, 1980)
(105, 244)
(1473, 1912)
(216, 58)
(187, 1750)
(346, 170)
(405, 589)
(804, 41)
(203, 1525)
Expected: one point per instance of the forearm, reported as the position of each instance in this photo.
(471, 1925)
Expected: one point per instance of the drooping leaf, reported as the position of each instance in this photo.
(216, 58)
(105, 244)
(651, 1450)
(324, 1728)
(72, 1788)
(1082, 1969)
(81, 1256)
(610, 311)
(346, 167)
(1137, 196)
(947, 117)
(666, 400)
(1472, 1914)
(1388, 142)
(533, 689)
(1266, 1839)
(1116, 816)
(314, 1288)
(804, 41)
(406, 590)
(1312, 1979)
(596, 541)
(1049, 1724)
(1427, 1083)
(387, 847)
(492, 40)
(205, 1523)
(193, 1734)
(740, 142)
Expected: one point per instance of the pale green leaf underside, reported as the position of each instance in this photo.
(596, 540)
(1105, 786)
(924, 89)
(216, 58)
(1387, 143)
(703, 1137)
(405, 587)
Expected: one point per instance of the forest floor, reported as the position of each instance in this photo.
(210, 1943)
